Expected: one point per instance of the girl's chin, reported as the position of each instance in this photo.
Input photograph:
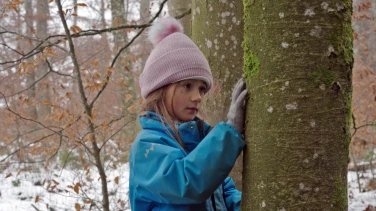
(187, 118)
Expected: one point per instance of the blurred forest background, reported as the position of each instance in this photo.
(69, 91)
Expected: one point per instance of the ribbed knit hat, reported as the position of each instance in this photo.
(174, 58)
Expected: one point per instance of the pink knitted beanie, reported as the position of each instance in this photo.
(174, 58)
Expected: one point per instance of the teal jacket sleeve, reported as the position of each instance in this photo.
(232, 195)
(166, 174)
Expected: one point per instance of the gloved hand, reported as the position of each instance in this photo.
(235, 116)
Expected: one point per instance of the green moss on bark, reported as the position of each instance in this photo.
(322, 75)
(339, 198)
(343, 41)
(251, 63)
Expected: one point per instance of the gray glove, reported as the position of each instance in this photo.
(235, 116)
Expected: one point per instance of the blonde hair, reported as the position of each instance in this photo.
(155, 103)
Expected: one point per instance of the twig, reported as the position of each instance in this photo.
(24, 118)
(35, 207)
(356, 128)
(122, 49)
(116, 132)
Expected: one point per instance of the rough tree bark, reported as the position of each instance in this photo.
(298, 65)
(217, 28)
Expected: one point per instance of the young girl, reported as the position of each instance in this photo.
(178, 162)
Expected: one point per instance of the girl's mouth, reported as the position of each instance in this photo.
(193, 109)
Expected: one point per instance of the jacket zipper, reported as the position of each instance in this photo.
(213, 202)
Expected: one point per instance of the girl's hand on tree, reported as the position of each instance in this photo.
(235, 116)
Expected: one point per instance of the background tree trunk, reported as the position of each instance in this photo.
(75, 10)
(42, 89)
(145, 45)
(123, 64)
(217, 28)
(177, 7)
(298, 63)
(29, 27)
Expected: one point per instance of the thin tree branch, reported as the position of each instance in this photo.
(14, 50)
(362, 126)
(187, 12)
(35, 82)
(122, 49)
(24, 118)
(88, 109)
(24, 146)
(38, 49)
(125, 124)
(47, 136)
(83, 33)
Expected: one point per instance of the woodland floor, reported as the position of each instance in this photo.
(36, 191)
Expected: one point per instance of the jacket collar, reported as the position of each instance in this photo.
(191, 133)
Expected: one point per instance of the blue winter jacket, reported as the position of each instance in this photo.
(164, 176)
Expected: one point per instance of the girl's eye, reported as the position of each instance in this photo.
(203, 89)
(187, 85)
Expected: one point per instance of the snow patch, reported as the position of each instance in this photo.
(316, 31)
(209, 43)
(309, 12)
(285, 45)
(301, 186)
(292, 106)
(313, 123)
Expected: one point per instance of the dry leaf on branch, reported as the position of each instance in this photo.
(75, 29)
(132, 108)
(77, 207)
(128, 97)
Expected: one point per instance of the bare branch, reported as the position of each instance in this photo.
(122, 49)
(27, 145)
(45, 137)
(24, 118)
(362, 126)
(14, 50)
(125, 124)
(38, 49)
(35, 82)
(187, 12)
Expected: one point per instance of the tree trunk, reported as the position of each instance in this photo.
(177, 7)
(217, 28)
(103, 21)
(123, 65)
(298, 64)
(75, 10)
(26, 47)
(43, 88)
(145, 45)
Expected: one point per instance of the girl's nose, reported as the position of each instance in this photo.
(196, 96)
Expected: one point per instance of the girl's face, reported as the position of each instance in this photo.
(184, 98)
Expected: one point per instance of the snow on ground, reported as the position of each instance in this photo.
(19, 192)
(61, 190)
(360, 201)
